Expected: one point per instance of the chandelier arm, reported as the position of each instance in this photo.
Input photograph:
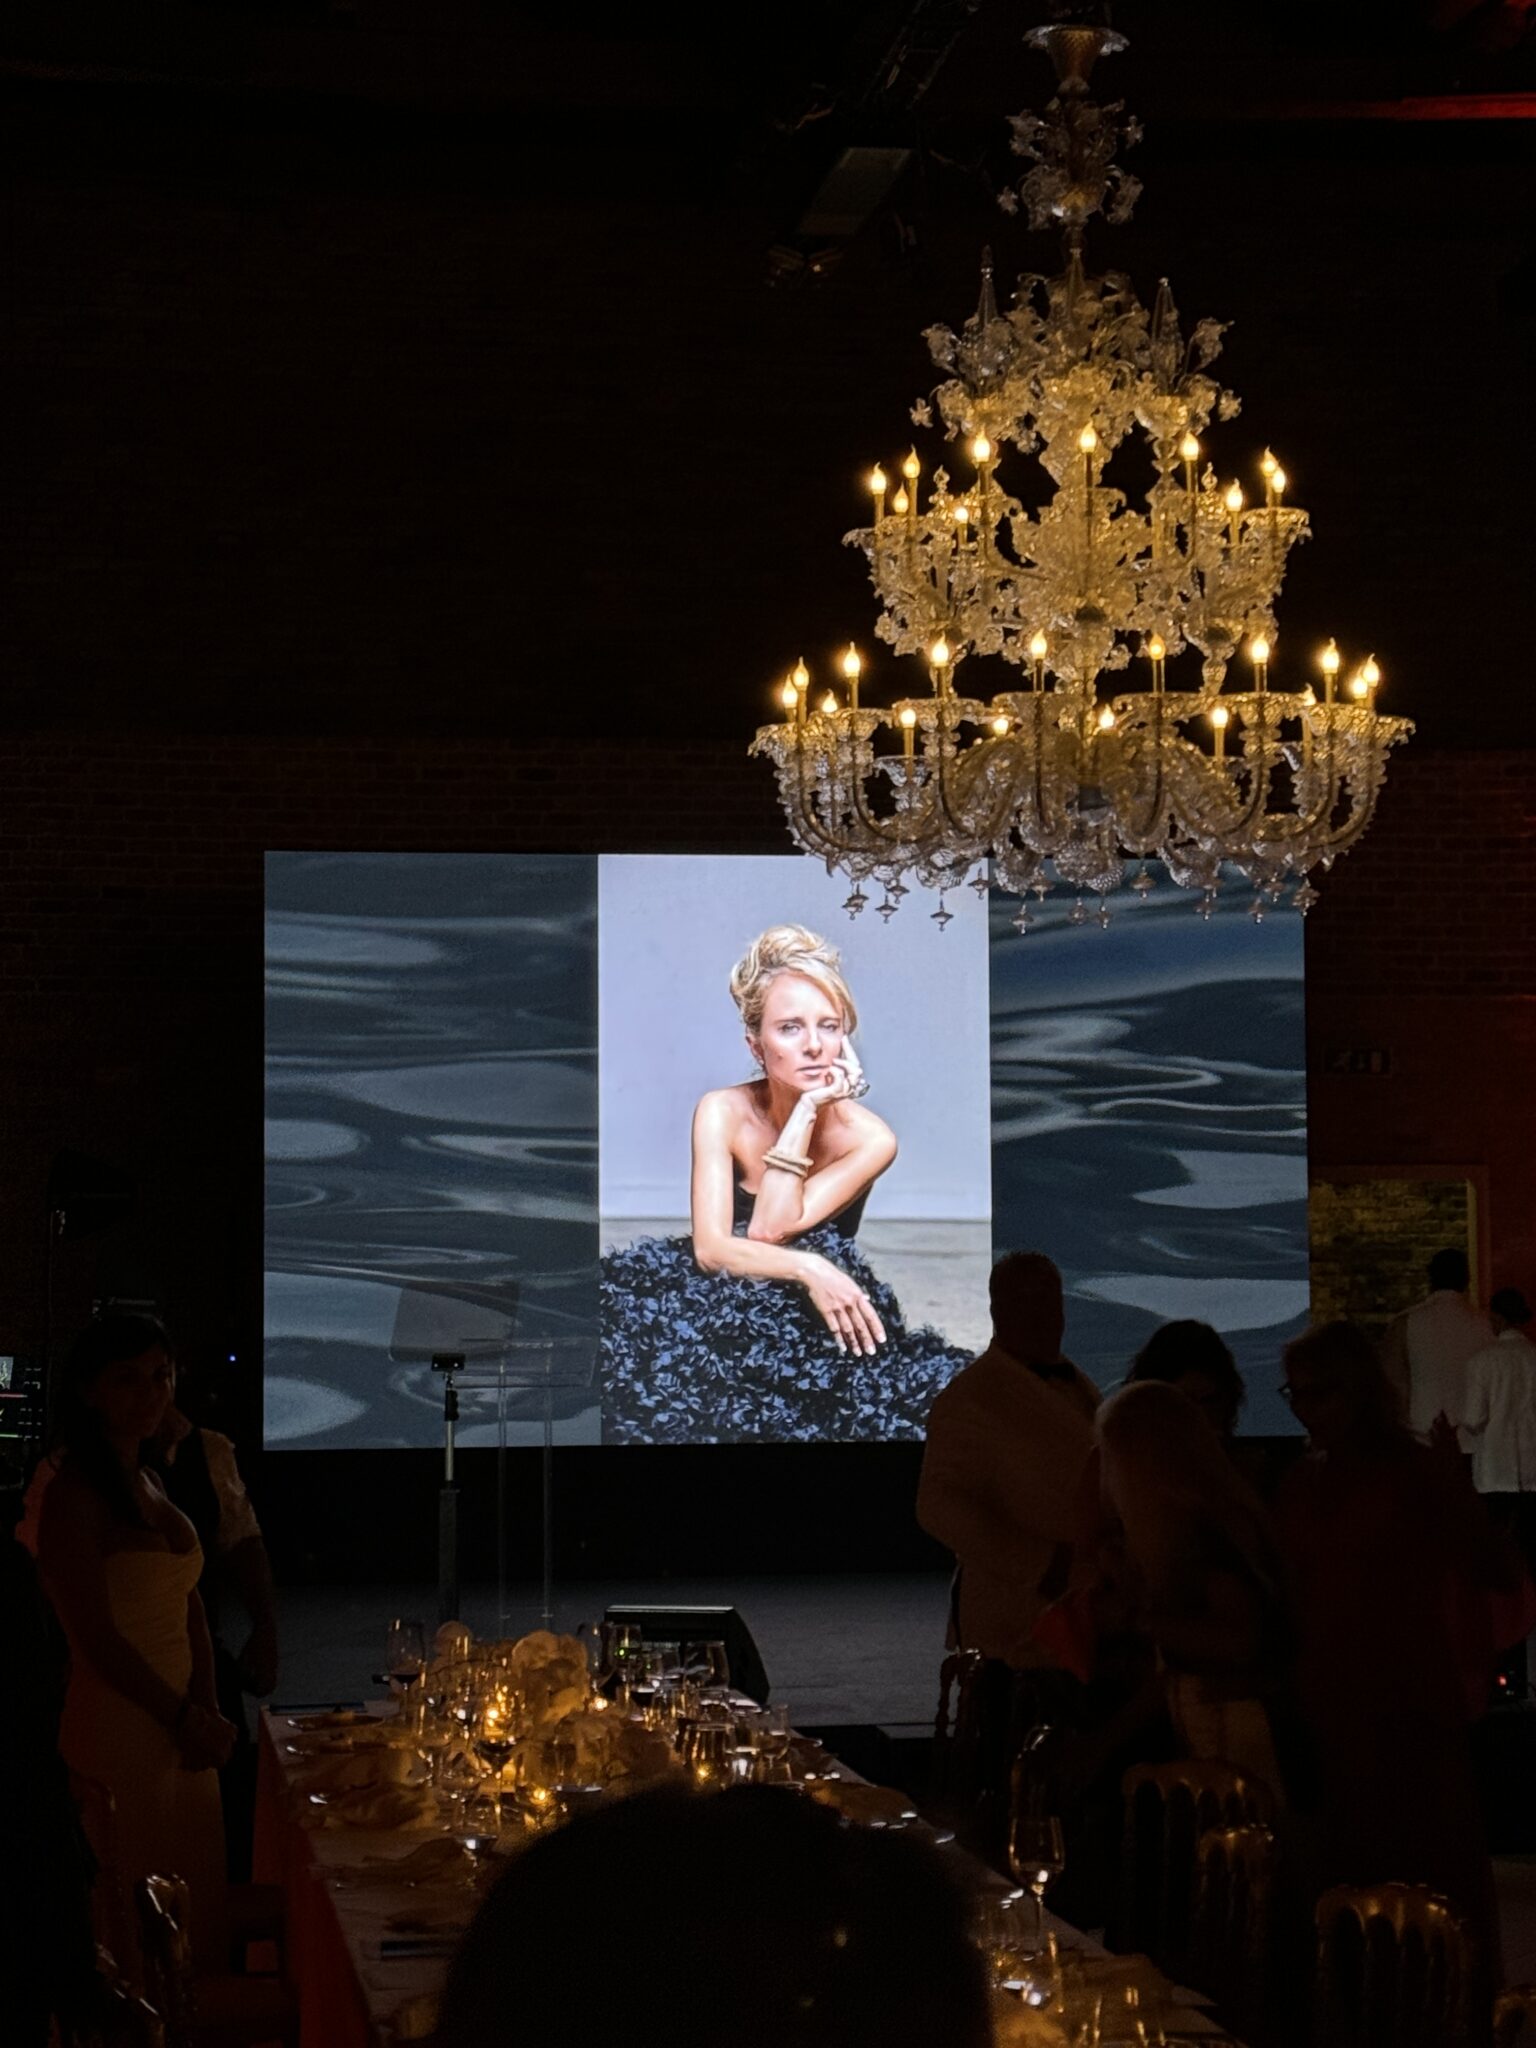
(811, 822)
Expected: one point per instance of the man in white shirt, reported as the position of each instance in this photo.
(1427, 1347)
(1498, 1426)
(1498, 1413)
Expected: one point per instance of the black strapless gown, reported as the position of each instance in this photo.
(714, 1358)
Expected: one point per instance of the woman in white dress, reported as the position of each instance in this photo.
(121, 1565)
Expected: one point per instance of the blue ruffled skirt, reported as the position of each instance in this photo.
(699, 1358)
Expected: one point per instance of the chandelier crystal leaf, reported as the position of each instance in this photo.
(1141, 720)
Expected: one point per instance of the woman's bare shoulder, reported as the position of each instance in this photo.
(723, 1109)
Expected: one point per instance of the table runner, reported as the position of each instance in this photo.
(365, 1977)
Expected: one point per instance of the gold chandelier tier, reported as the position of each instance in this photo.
(1129, 591)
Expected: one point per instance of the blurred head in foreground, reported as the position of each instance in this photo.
(751, 1916)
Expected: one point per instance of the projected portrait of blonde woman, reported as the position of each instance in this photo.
(766, 1319)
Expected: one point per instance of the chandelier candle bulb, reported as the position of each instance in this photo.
(1106, 719)
(877, 487)
(1157, 654)
(801, 678)
(1258, 653)
(1234, 504)
(908, 722)
(1219, 718)
(1329, 661)
(789, 697)
(829, 705)
(851, 670)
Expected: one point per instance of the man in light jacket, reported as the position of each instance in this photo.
(1005, 1464)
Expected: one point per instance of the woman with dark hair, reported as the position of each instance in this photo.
(1390, 1554)
(753, 1915)
(121, 1565)
(1194, 1358)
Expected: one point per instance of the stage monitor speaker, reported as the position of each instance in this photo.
(704, 1625)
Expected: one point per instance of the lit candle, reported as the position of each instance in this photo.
(877, 486)
(912, 469)
(1329, 661)
(800, 677)
(1039, 647)
(1106, 718)
(851, 669)
(1189, 455)
(938, 663)
(789, 697)
(1157, 654)
(1234, 505)
(901, 501)
(908, 722)
(1000, 726)
(962, 524)
(1274, 490)
(1258, 654)
(829, 705)
(1219, 717)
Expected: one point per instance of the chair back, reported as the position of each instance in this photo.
(164, 1908)
(956, 1776)
(1168, 1807)
(1231, 1926)
(1514, 2017)
(112, 1921)
(1394, 1970)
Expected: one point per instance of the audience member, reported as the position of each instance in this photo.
(198, 1470)
(1005, 1464)
(1194, 1358)
(1390, 1553)
(1426, 1348)
(1201, 1572)
(751, 1916)
(121, 1564)
(1498, 1416)
(1498, 1426)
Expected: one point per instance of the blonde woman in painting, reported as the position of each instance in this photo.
(767, 1322)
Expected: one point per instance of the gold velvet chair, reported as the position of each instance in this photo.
(1514, 2017)
(1231, 1928)
(955, 1781)
(1168, 1807)
(204, 2012)
(1395, 1969)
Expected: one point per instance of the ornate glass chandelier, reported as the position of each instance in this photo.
(1117, 739)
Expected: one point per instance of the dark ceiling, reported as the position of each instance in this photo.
(397, 367)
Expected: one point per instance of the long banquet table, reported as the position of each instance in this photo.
(372, 1910)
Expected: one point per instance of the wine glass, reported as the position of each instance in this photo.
(477, 1825)
(1036, 1854)
(707, 1665)
(405, 1657)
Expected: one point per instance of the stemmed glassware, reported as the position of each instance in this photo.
(1036, 1854)
(405, 1658)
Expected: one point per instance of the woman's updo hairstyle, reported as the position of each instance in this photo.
(789, 949)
